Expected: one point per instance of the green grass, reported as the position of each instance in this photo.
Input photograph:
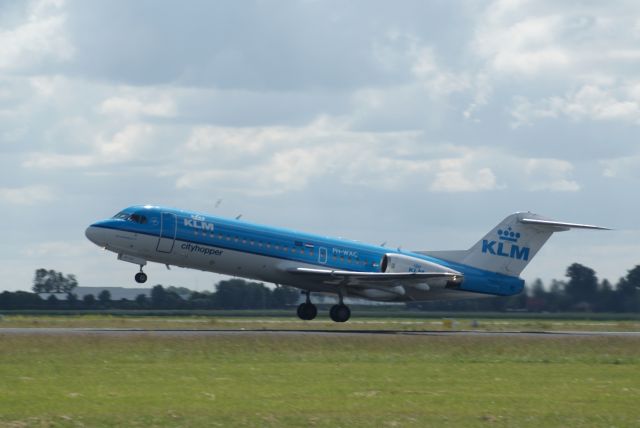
(296, 380)
(322, 322)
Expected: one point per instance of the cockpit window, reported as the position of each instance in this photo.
(122, 215)
(135, 218)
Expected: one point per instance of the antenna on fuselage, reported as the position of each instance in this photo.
(218, 202)
(238, 216)
(383, 244)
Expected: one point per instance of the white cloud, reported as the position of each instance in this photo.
(56, 249)
(132, 107)
(40, 38)
(124, 145)
(132, 143)
(27, 195)
(455, 177)
(525, 45)
(621, 167)
(43, 160)
(280, 159)
(587, 103)
(550, 174)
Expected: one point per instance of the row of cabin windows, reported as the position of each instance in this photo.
(269, 245)
(256, 243)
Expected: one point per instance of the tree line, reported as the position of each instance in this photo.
(581, 291)
(228, 294)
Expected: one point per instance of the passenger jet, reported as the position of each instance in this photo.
(313, 263)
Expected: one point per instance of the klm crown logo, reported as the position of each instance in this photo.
(508, 235)
(506, 245)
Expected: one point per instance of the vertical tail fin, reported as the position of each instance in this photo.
(511, 245)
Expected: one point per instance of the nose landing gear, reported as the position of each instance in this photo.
(141, 277)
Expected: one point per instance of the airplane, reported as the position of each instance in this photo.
(319, 264)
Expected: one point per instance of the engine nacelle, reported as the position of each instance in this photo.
(400, 263)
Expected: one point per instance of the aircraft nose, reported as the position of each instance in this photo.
(93, 234)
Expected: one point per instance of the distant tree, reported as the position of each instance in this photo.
(104, 298)
(51, 281)
(89, 300)
(180, 291)
(52, 301)
(72, 300)
(628, 291)
(20, 300)
(158, 296)
(283, 297)
(239, 294)
(142, 300)
(583, 284)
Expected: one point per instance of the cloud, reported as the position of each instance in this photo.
(40, 38)
(550, 174)
(56, 249)
(132, 107)
(27, 195)
(455, 176)
(131, 144)
(524, 46)
(587, 103)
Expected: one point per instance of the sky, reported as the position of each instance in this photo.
(422, 124)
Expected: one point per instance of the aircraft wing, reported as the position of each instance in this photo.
(368, 279)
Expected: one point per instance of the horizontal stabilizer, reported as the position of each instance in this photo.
(561, 224)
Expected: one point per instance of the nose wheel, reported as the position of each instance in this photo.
(141, 277)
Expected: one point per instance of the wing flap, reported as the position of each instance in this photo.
(365, 279)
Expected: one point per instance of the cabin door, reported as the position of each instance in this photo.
(168, 228)
(322, 255)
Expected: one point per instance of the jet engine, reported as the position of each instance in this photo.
(400, 263)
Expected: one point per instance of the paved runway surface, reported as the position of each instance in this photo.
(240, 332)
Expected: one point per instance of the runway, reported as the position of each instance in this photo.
(306, 332)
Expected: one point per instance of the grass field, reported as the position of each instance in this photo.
(322, 322)
(259, 379)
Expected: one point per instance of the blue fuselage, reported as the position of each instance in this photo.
(240, 248)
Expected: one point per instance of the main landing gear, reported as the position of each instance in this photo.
(307, 310)
(141, 277)
(338, 313)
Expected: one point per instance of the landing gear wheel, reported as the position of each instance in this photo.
(340, 313)
(307, 311)
(141, 277)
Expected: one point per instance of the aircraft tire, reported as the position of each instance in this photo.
(141, 277)
(307, 311)
(340, 313)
